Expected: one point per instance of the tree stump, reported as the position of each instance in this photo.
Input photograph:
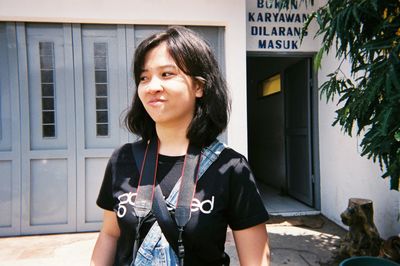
(363, 238)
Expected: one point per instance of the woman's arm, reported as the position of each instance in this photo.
(252, 246)
(106, 244)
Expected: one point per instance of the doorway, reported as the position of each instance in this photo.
(282, 132)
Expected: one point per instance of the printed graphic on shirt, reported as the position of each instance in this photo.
(124, 199)
(205, 206)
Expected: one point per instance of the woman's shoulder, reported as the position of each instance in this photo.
(220, 148)
(230, 153)
(231, 157)
(123, 152)
(128, 147)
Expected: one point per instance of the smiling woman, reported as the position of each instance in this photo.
(185, 186)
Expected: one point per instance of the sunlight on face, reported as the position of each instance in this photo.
(167, 93)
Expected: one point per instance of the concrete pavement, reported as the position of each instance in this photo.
(306, 240)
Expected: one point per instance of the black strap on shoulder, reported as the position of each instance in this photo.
(188, 185)
(186, 192)
(147, 181)
(164, 219)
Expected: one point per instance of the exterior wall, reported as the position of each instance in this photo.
(154, 12)
(345, 174)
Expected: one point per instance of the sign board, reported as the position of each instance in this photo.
(272, 29)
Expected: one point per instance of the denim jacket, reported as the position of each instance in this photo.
(155, 249)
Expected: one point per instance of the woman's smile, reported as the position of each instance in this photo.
(156, 102)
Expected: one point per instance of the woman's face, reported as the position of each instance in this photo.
(167, 93)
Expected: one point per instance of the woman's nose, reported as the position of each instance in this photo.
(154, 86)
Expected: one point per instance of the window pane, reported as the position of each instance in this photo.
(102, 130)
(101, 89)
(101, 103)
(49, 131)
(48, 103)
(46, 51)
(48, 117)
(100, 49)
(100, 76)
(100, 63)
(46, 62)
(47, 76)
(47, 90)
(46, 48)
(101, 79)
(101, 116)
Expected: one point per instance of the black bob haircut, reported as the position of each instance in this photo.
(196, 59)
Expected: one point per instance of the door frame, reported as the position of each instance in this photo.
(314, 114)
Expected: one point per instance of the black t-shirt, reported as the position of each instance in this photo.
(169, 170)
(225, 195)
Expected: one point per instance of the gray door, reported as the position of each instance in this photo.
(10, 163)
(47, 129)
(297, 131)
(102, 95)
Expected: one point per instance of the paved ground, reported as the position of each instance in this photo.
(308, 240)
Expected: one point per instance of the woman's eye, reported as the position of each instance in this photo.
(167, 74)
(143, 78)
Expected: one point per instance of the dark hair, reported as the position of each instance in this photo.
(195, 58)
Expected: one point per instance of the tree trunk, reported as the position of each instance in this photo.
(363, 238)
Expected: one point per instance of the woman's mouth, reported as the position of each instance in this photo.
(156, 102)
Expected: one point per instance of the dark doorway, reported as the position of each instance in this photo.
(280, 123)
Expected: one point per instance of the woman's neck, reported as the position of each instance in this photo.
(173, 141)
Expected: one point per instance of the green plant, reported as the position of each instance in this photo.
(367, 34)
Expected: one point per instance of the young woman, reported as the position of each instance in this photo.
(181, 105)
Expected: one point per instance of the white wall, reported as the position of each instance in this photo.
(345, 174)
(228, 13)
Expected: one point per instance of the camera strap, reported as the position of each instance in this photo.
(146, 188)
(149, 195)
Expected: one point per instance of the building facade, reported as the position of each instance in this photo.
(65, 80)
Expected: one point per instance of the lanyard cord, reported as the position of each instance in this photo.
(146, 186)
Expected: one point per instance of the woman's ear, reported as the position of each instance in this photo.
(199, 91)
(199, 87)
